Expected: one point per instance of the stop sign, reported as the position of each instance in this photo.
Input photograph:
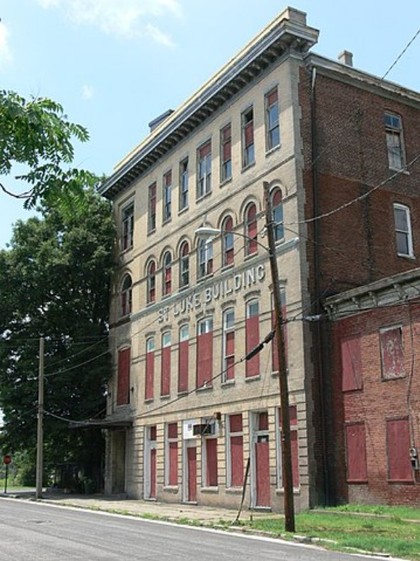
(7, 459)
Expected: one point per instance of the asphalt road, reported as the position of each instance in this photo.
(39, 532)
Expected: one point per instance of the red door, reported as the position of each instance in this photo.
(153, 473)
(262, 472)
(192, 473)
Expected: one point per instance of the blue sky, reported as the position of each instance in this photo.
(115, 65)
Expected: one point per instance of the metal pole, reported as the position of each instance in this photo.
(40, 434)
(5, 479)
(286, 449)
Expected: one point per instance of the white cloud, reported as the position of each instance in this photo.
(124, 18)
(87, 91)
(5, 52)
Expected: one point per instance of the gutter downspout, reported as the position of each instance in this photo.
(319, 338)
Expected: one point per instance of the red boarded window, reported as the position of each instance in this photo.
(165, 382)
(398, 446)
(226, 153)
(248, 152)
(183, 359)
(251, 233)
(227, 242)
(351, 364)
(228, 365)
(392, 354)
(150, 368)
(275, 354)
(236, 472)
(123, 389)
(167, 273)
(356, 453)
(151, 223)
(205, 353)
(127, 227)
(211, 462)
(204, 170)
(172, 454)
(167, 196)
(151, 282)
(184, 265)
(252, 329)
(294, 444)
(126, 295)
(277, 209)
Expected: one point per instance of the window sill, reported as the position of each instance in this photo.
(247, 167)
(182, 392)
(165, 397)
(210, 489)
(252, 378)
(203, 196)
(166, 221)
(402, 171)
(149, 400)
(272, 150)
(227, 383)
(225, 181)
(182, 210)
(123, 252)
(391, 378)
(173, 489)
(405, 256)
(204, 388)
(152, 231)
(280, 490)
(234, 490)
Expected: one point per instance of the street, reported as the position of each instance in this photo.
(39, 532)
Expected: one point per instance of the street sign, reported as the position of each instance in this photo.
(7, 459)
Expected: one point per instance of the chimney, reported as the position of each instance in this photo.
(346, 57)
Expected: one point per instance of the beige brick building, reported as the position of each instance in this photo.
(189, 419)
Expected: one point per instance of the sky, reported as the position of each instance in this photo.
(115, 65)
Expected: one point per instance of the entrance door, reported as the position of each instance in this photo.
(260, 490)
(190, 492)
(150, 463)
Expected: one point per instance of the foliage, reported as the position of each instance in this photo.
(55, 282)
(37, 135)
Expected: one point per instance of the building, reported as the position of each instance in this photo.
(189, 419)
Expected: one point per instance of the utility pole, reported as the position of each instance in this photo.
(40, 430)
(286, 449)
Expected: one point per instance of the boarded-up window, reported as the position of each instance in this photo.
(351, 364)
(228, 365)
(398, 446)
(252, 329)
(172, 454)
(294, 443)
(165, 385)
(251, 229)
(236, 447)
(211, 462)
(123, 390)
(392, 355)
(150, 368)
(183, 359)
(356, 453)
(205, 353)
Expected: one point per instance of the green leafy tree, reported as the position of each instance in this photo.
(55, 282)
(36, 148)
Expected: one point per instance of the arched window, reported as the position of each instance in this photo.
(126, 295)
(251, 233)
(167, 274)
(184, 265)
(151, 282)
(205, 258)
(277, 208)
(227, 242)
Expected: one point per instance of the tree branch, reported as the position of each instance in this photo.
(24, 195)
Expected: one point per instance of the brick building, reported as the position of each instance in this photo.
(187, 414)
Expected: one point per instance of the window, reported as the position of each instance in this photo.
(356, 453)
(127, 227)
(351, 364)
(248, 152)
(235, 468)
(404, 237)
(123, 388)
(167, 274)
(183, 184)
(205, 258)
(252, 329)
(126, 295)
(171, 454)
(272, 119)
(151, 222)
(210, 462)
(226, 153)
(251, 233)
(293, 445)
(277, 209)
(205, 353)
(151, 282)
(398, 446)
(183, 358)
(227, 242)
(165, 367)
(228, 366)
(150, 369)
(184, 265)
(394, 141)
(204, 170)
(167, 196)
(392, 352)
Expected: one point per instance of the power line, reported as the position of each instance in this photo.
(401, 54)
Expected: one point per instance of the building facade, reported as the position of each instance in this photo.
(193, 412)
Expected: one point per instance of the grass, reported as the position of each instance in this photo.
(379, 530)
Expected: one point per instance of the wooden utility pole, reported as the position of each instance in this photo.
(286, 449)
(40, 429)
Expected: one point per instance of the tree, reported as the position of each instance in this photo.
(55, 282)
(36, 148)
